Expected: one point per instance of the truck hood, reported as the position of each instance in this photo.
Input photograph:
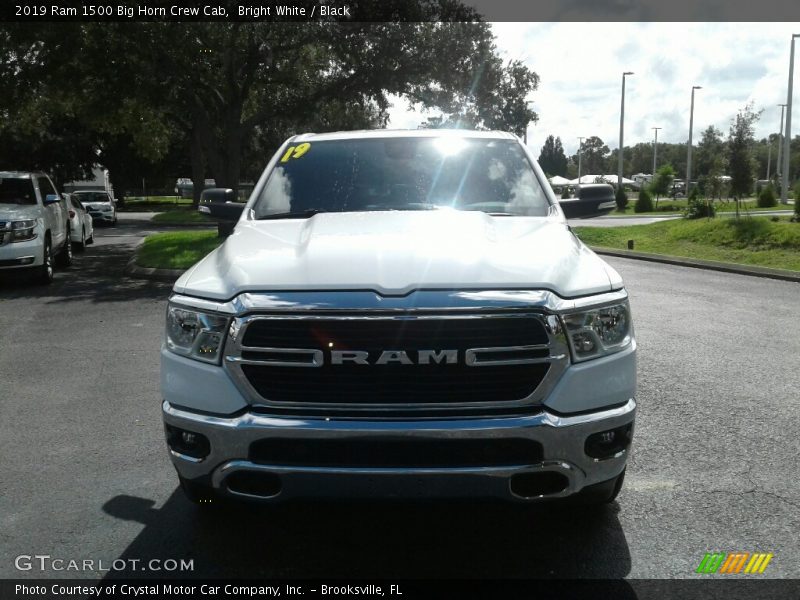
(394, 253)
(19, 212)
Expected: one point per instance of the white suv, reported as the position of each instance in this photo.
(34, 225)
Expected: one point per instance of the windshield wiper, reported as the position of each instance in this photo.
(295, 214)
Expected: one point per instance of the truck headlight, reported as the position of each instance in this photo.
(195, 334)
(598, 331)
(22, 231)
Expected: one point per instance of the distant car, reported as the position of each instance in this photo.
(81, 228)
(100, 205)
(34, 225)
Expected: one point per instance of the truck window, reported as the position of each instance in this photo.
(17, 190)
(488, 175)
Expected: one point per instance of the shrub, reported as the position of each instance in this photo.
(697, 207)
(565, 193)
(766, 199)
(796, 217)
(622, 199)
(644, 203)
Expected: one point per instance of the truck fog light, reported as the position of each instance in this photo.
(188, 443)
(607, 444)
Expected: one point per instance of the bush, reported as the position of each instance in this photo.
(565, 193)
(644, 203)
(766, 199)
(796, 217)
(697, 207)
(622, 199)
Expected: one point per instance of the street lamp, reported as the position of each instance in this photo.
(689, 150)
(780, 144)
(621, 123)
(787, 136)
(655, 149)
(525, 134)
(580, 149)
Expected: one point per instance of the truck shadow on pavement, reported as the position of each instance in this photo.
(376, 540)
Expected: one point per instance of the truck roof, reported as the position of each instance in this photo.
(402, 133)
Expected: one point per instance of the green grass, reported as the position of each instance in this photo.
(750, 240)
(669, 206)
(179, 216)
(176, 250)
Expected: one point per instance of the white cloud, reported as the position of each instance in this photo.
(581, 65)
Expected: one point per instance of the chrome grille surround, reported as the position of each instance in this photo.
(542, 305)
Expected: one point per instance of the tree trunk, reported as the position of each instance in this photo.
(198, 167)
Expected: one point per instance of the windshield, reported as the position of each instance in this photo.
(89, 197)
(486, 175)
(17, 190)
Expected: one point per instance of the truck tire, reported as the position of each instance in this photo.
(65, 254)
(44, 274)
(198, 493)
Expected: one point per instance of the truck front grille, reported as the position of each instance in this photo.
(394, 363)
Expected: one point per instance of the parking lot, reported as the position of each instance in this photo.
(86, 474)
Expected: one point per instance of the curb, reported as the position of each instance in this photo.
(710, 265)
(134, 270)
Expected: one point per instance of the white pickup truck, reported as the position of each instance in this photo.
(401, 314)
(34, 225)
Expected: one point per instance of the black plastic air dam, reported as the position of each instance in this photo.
(533, 485)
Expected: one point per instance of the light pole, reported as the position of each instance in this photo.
(689, 150)
(780, 144)
(580, 149)
(655, 149)
(787, 136)
(525, 134)
(621, 128)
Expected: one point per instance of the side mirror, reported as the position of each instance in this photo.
(220, 204)
(594, 200)
(51, 199)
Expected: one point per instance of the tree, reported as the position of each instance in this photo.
(709, 150)
(662, 181)
(740, 153)
(552, 158)
(593, 156)
(231, 92)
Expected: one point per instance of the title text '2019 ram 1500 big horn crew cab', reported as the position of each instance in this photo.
(401, 314)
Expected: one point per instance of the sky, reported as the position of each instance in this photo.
(580, 66)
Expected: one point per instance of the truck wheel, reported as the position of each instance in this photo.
(198, 493)
(601, 493)
(65, 255)
(44, 274)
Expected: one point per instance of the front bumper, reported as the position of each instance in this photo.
(105, 217)
(562, 441)
(22, 254)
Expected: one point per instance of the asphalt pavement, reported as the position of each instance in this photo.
(86, 475)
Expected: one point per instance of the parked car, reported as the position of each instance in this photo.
(101, 206)
(81, 229)
(34, 225)
(401, 313)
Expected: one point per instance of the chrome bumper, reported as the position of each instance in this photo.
(562, 439)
